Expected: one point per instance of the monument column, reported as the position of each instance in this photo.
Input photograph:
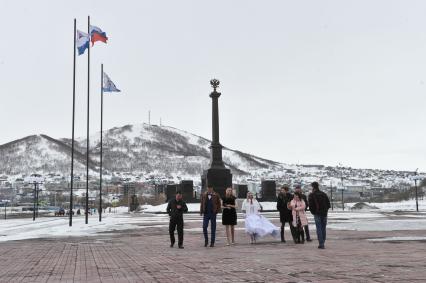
(217, 176)
(216, 147)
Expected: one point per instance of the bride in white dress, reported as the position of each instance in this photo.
(257, 225)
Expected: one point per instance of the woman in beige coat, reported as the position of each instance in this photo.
(297, 206)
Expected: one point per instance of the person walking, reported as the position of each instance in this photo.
(229, 215)
(175, 209)
(209, 207)
(284, 197)
(297, 206)
(319, 205)
(257, 225)
(304, 198)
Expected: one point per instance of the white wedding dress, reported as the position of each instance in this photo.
(256, 224)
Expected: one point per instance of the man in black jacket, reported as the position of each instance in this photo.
(298, 189)
(175, 209)
(284, 197)
(319, 205)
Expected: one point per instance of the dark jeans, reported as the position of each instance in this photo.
(282, 230)
(308, 236)
(212, 218)
(321, 224)
(176, 221)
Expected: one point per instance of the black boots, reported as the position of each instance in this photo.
(282, 235)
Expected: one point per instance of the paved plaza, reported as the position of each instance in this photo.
(143, 255)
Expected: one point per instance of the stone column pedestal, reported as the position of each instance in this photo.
(217, 176)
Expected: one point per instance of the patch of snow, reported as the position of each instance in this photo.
(407, 205)
(390, 239)
(192, 207)
(380, 225)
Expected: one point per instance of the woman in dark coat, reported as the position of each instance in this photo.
(284, 198)
(229, 215)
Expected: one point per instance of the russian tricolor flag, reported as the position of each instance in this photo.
(97, 34)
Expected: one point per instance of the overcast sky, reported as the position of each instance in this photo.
(309, 82)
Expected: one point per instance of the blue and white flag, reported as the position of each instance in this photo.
(82, 42)
(109, 86)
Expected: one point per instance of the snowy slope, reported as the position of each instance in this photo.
(37, 154)
(142, 149)
(139, 149)
(146, 148)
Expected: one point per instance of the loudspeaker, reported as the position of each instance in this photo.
(171, 192)
(241, 190)
(187, 190)
(269, 190)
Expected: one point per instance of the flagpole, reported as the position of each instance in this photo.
(88, 116)
(73, 118)
(102, 116)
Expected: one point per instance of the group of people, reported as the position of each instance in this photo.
(292, 208)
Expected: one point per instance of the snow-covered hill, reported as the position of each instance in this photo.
(166, 150)
(145, 150)
(139, 149)
(38, 153)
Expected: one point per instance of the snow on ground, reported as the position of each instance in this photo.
(56, 227)
(120, 219)
(390, 239)
(19, 229)
(192, 207)
(269, 205)
(195, 207)
(377, 224)
(26, 228)
(407, 205)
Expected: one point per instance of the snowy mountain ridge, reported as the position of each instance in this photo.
(142, 150)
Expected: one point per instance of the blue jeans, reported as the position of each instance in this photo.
(212, 218)
(321, 224)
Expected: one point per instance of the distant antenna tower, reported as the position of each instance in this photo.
(149, 117)
(160, 121)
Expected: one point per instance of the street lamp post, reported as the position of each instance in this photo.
(128, 198)
(36, 183)
(415, 184)
(331, 195)
(341, 179)
(37, 191)
(34, 195)
(5, 201)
